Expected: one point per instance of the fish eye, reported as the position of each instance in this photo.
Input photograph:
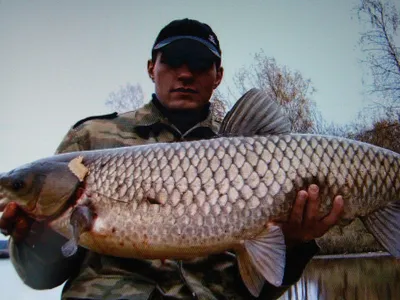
(17, 185)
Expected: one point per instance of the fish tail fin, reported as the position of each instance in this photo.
(384, 224)
(255, 114)
(263, 258)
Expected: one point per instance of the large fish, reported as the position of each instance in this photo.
(190, 199)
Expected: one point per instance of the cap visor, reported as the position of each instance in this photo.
(206, 43)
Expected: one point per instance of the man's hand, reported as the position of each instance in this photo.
(15, 222)
(304, 223)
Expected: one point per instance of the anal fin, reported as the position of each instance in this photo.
(263, 258)
(81, 220)
(384, 224)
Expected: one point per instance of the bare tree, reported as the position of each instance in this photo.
(379, 44)
(379, 128)
(287, 87)
(219, 104)
(128, 97)
(384, 133)
(321, 126)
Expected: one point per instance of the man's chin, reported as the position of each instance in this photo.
(184, 103)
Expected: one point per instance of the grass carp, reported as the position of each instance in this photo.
(189, 199)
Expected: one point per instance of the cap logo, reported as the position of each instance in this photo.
(211, 39)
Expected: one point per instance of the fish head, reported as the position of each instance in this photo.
(14, 187)
(41, 189)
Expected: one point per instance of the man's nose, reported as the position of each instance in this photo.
(184, 73)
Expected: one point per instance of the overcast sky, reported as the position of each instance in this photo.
(59, 60)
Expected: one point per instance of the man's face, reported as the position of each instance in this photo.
(184, 78)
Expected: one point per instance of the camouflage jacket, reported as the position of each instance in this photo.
(94, 276)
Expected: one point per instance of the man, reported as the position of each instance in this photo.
(186, 69)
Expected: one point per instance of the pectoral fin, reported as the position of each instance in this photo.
(384, 224)
(263, 258)
(81, 221)
(70, 247)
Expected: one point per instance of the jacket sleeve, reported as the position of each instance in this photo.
(297, 259)
(38, 260)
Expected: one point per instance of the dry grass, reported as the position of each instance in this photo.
(353, 238)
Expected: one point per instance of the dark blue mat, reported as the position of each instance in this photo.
(4, 249)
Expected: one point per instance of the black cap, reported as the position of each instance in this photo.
(191, 30)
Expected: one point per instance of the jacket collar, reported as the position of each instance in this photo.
(150, 117)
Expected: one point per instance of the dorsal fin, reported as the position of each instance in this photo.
(255, 114)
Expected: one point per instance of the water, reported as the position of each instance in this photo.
(343, 277)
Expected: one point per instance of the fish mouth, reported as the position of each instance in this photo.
(3, 203)
(3, 196)
(4, 200)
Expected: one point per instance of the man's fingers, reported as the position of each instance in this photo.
(8, 218)
(334, 215)
(21, 229)
(312, 204)
(304, 223)
(296, 216)
(14, 222)
(10, 212)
